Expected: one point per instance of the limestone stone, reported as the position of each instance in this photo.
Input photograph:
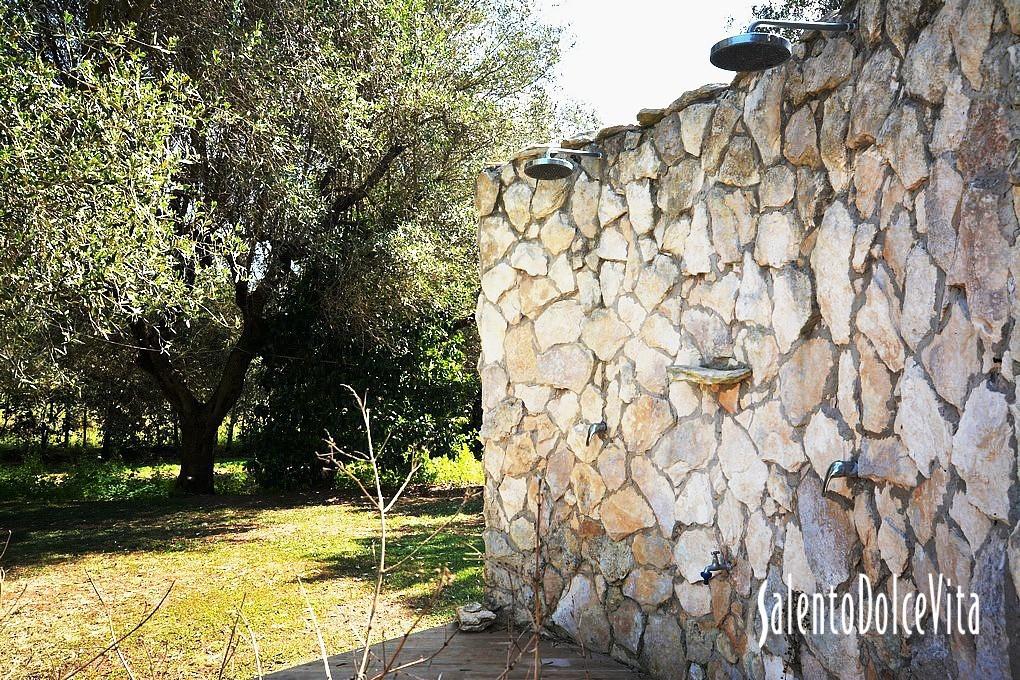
(863, 240)
(632, 312)
(472, 617)
(715, 143)
(533, 294)
(580, 614)
(560, 323)
(779, 489)
(640, 207)
(982, 454)
(698, 247)
(492, 331)
(655, 281)
(612, 465)
(791, 305)
(674, 236)
(668, 139)
(521, 455)
(558, 472)
(720, 296)
(774, 437)
(892, 542)
(588, 488)
(644, 422)
(658, 331)
(486, 191)
(879, 319)
(885, 460)
(739, 167)
(876, 388)
(801, 147)
(534, 397)
(953, 556)
(626, 512)
(899, 239)
(763, 113)
(824, 444)
(869, 173)
(561, 273)
(612, 245)
(758, 543)
(513, 493)
(639, 163)
(694, 122)
(971, 36)
(502, 420)
(522, 533)
(584, 205)
(652, 550)
(530, 257)
(982, 261)
(952, 120)
(777, 187)
(928, 63)
(876, 89)
(657, 490)
(662, 652)
(694, 504)
(803, 377)
(689, 446)
(919, 422)
(604, 333)
(610, 282)
(830, 261)
(813, 195)
(846, 389)
(495, 236)
(684, 398)
(926, 503)
(627, 623)
(694, 598)
(693, 551)
(832, 138)
(758, 349)
(740, 463)
(829, 536)
(952, 357)
(829, 69)
(556, 234)
(941, 205)
(679, 186)
(902, 142)
(549, 196)
(566, 366)
(778, 241)
(611, 206)
(753, 303)
(710, 334)
(517, 203)
(974, 524)
(649, 587)
(796, 568)
(919, 297)
(732, 223)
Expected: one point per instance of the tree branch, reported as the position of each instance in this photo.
(348, 200)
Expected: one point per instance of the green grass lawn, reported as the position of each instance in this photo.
(216, 551)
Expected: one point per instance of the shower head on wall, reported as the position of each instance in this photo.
(757, 51)
(552, 165)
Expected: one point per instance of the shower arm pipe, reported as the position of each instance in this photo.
(573, 152)
(835, 26)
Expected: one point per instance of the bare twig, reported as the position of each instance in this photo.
(318, 631)
(227, 652)
(123, 637)
(254, 646)
(109, 621)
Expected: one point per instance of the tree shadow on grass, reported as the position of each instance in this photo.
(458, 548)
(49, 533)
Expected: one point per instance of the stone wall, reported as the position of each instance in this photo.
(845, 225)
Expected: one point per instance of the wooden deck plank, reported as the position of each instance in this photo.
(472, 656)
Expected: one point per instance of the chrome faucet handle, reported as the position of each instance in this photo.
(594, 429)
(839, 468)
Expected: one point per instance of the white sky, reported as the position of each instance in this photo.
(634, 54)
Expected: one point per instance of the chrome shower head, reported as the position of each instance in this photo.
(756, 51)
(549, 167)
(553, 166)
(751, 52)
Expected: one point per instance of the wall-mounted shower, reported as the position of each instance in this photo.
(758, 51)
(839, 468)
(554, 165)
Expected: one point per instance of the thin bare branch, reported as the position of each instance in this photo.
(227, 653)
(254, 646)
(109, 622)
(318, 631)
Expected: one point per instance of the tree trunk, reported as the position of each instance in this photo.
(198, 453)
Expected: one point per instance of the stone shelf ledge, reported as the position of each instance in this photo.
(709, 375)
